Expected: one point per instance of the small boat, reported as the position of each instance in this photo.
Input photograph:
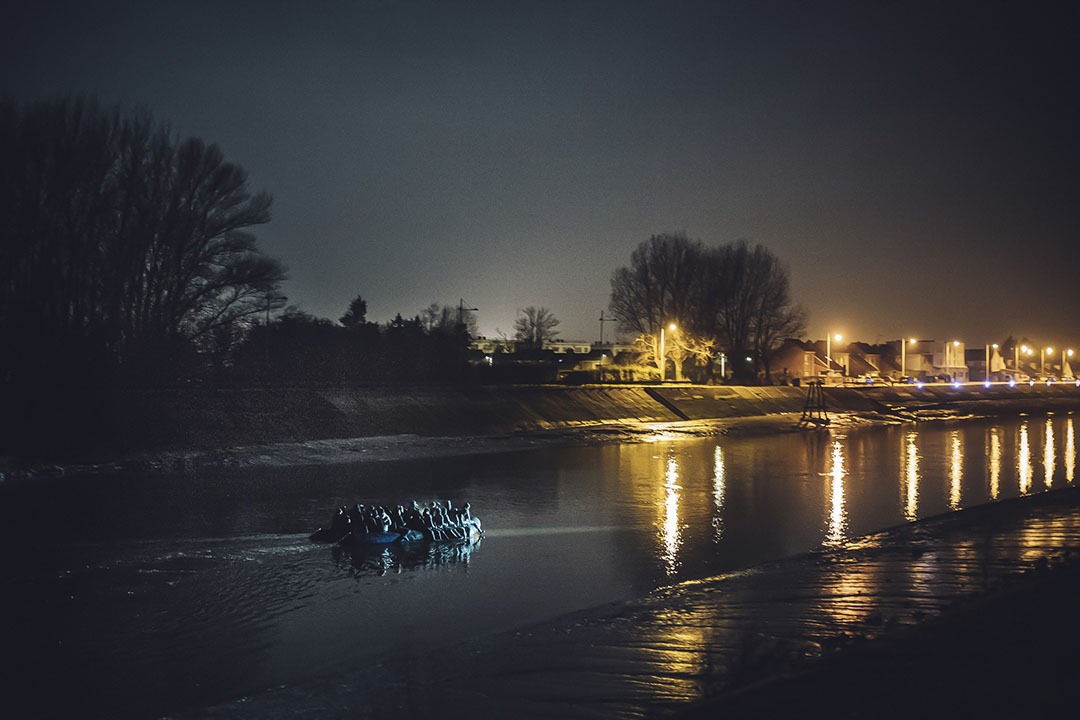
(446, 533)
(352, 526)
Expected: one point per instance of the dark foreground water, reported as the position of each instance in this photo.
(144, 596)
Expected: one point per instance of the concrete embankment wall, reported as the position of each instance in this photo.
(219, 418)
(203, 418)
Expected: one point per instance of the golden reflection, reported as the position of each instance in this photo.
(1048, 454)
(670, 532)
(718, 493)
(837, 530)
(993, 454)
(683, 646)
(1070, 451)
(1023, 459)
(660, 435)
(956, 470)
(909, 480)
(851, 595)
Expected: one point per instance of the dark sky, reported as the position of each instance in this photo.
(913, 163)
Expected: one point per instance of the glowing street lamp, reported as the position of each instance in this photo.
(903, 354)
(828, 352)
(1042, 359)
(663, 357)
(1064, 354)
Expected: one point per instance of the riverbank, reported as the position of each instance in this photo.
(1006, 652)
(186, 429)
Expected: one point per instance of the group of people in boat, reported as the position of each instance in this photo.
(436, 521)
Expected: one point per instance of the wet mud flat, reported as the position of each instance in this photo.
(969, 610)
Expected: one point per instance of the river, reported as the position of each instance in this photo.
(143, 595)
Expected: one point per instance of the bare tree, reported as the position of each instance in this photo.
(757, 313)
(535, 326)
(448, 319)
(658, 286)
(734, 297)
(119, 238)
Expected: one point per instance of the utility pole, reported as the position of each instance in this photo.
(266, 346)
(602, 321)
(461, 313)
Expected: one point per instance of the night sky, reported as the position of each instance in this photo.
(913, 163)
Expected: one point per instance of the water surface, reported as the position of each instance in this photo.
(152, 594)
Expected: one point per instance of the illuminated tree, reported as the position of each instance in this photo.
(734, 297)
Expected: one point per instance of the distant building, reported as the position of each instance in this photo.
(797, 361)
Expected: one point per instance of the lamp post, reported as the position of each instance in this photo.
(663, 357)
(988, 346)
(828, 353)
(1042, 360)
(1065, 353)
(903, 355)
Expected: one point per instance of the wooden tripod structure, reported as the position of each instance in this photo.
(815, 411)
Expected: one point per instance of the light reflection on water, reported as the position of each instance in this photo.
(836, 532)
(568, 528)
(909, 479)
(1023, 459)
(1070, 451)
(1048, 453)
(956, 470)
(993, 454)
(718, 493)
(670, 530)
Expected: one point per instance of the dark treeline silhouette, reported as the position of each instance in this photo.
(300, 349)
(126, 254)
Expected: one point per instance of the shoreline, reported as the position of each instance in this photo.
(181, 431)
(412, 446)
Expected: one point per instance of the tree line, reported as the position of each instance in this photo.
(297, 348)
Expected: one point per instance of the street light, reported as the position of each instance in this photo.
(828, 352)
(903, 355)
(1042, 360)
(663, 359)
(1064, 354)
(988, 361)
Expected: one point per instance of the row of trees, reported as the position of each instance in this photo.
(733, 298)
(298, 348)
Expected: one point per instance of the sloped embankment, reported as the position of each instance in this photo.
(220, 418)
(201, 419)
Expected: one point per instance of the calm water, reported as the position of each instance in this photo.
(142, 596)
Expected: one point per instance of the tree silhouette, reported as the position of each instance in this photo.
(535, 326)
(356, 315)
(733, 298)
(123, 246)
